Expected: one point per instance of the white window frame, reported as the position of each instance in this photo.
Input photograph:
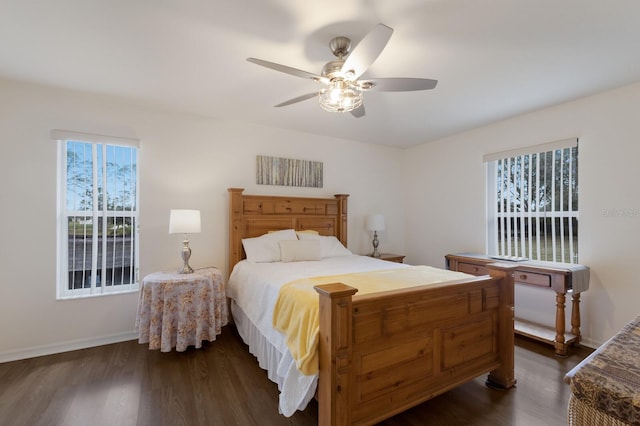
(520, 241)
(62, 282)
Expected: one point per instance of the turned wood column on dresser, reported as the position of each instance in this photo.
(561, 278)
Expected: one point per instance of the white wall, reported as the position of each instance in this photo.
(445, 200)
(185, 162)
(188, 162)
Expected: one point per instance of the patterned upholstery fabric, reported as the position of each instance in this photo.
(609, 380)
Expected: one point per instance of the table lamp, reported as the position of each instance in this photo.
(184, 222)
(375, 223)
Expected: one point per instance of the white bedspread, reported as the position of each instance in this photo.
(254, 287)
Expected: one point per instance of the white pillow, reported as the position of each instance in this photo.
(265, 248)
(299, 250)
(283, 234)
(330, 246)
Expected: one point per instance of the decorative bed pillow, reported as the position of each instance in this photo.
(299, 250)
(307, 231)
(266, 248)
(330, 246)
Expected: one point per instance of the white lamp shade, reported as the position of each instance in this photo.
(375, 222)
(184, 222)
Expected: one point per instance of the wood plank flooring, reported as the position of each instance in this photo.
(221, 384)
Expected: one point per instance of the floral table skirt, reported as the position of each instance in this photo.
(181, 310)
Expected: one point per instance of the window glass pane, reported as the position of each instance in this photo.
(79, 176)
(120, 263)
(121, 182)
(79, 251)
(99, 176)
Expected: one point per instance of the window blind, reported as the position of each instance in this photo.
(533, 149)
(65, 135)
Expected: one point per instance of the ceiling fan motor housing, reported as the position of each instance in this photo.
(340, 46)
(333, 69)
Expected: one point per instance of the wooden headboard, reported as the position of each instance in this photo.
(255, 215)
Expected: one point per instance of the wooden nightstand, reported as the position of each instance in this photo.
(398, 258)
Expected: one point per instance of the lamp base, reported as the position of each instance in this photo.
(186, 254)
(375, 242)
(186, 269)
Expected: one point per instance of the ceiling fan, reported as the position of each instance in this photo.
(343, 90)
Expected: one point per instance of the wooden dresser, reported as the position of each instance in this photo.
(557, 277)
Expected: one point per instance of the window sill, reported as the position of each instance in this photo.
(88, 295)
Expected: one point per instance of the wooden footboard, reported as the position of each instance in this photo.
(383, 353)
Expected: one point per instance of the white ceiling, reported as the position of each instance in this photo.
(493, 59)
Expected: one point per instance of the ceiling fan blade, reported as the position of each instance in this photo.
(397, 84)
(358, 112)
(288, 70)
(298, 99)
(366, 52)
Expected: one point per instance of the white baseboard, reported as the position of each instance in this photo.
(589, 343)
(71, 345)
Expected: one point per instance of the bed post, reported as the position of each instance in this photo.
(341, 232)
(335, 345)
(235, 221)
(503, 377)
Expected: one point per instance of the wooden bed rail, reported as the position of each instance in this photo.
(383, 353)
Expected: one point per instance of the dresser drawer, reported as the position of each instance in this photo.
(532, 278)
(472, 268)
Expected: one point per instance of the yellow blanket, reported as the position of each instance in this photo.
(296, 311)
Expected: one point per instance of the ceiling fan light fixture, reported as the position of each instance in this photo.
(340, 96)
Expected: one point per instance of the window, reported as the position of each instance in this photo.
(97, 215)
(533, 202)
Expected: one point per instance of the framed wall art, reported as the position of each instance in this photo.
(288, 172)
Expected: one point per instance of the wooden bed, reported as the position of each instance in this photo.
(383, 353)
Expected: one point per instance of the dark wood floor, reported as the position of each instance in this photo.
(221, 384)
